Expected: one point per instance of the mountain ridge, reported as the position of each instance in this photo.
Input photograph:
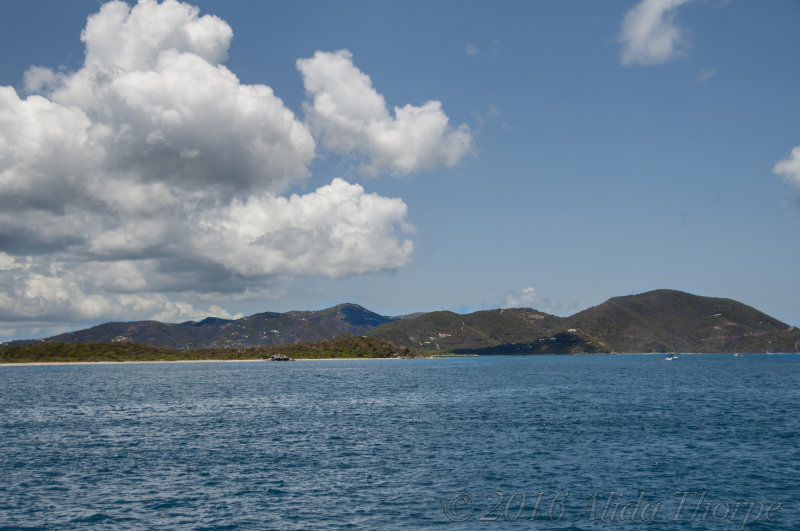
(645, 322)
(260, 329)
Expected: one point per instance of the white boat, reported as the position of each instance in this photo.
(672, 356)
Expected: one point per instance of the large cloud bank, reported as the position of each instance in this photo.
(152, 169)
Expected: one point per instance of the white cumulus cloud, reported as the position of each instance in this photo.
(349, 116)
(649, 33)
(789, 168)
(334, 231)
(153, 169)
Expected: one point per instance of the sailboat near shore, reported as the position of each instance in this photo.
(674, 355)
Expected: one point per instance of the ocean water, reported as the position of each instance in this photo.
(581, 442)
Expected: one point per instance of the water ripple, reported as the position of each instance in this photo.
(362, 445)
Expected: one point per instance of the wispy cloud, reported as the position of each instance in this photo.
(706, 75)
(650, 34)
(529, 298)
(526, 298)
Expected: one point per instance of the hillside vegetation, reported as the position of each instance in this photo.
(648, 322)
(507, 331)
(261, 329)
(343, 347)
(636, 323)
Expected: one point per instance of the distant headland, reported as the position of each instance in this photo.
(654, 322)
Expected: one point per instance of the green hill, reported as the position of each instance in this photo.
(341, 347)
(517, 330)
(637, 323)
(647, 323)
(261, 329)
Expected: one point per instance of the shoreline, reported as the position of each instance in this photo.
(139, 362)
(439, 356)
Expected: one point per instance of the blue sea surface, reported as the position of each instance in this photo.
(582, 442)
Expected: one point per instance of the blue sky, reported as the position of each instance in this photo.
(544, 154)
